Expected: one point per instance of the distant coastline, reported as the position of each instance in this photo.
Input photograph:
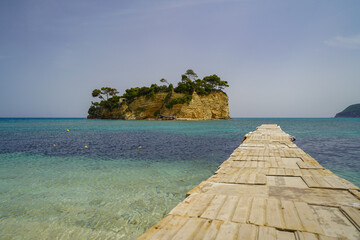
(352, 111)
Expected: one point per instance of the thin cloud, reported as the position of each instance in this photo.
(172, 5)
(351, 42)
(194, 3)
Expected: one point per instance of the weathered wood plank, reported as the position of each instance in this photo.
(208, 230)
(353, 214)
(291, 218)
(248, 232)
(198, 206)
(189, 229)
(307, 218)
(242, 210)
(182, 207)
(214, 207)
(228, 231)
(285, 235)
(169, 230)
(267, 233)
(310, 181)
(260, 179)
(306, 236)
(274, 217)
(227, 210)
(338, 226)
(257, 213)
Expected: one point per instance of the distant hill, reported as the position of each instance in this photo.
(192, 99)
(352, 111)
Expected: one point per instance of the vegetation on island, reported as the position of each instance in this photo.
(189, 83)
(352, 111)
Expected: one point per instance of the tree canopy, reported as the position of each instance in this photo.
(189, 83)
(104, 93)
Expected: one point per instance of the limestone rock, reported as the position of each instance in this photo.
(201, 107)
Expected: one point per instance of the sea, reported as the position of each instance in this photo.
(113, 179)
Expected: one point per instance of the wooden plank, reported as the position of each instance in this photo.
(182, 207)
(198, 206)
(353, 214)
(260, 179)
(267, 233)
(280, 171)
(208, 230)
(227, 210)
(297, 172)
(248, 232)
(306, 236)
(317, 196)
(212, 210)
(257, 213)
(228, 231)
(274, 217)
(290, 163)
(348, 184)
(297, 182)
(322, 182)
(272, 171)
(322, 237)
(291, 218)
(243, 178)
(334, 182)
(285, 235)
(355, 192)
(251, 179)
(310, 181)
(189, 229)
(242, 210)
(169, 230)
(289, 172)
(307, 218)
(335, 223)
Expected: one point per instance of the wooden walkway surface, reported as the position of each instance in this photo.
(267, 189)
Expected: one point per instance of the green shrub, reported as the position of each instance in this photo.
(179, 100)
(157, 113)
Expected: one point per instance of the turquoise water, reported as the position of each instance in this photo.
(112, 189)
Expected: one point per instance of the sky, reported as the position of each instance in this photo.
(281, 58)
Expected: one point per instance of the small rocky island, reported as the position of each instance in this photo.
(191, 99)
(352, 111)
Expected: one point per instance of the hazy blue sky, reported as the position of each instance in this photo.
(281, 58)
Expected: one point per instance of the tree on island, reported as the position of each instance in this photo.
(189, 83)
(109, 99)
(105, 92)
(163, 80)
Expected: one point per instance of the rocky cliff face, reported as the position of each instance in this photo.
(201, 107)
(212, 106)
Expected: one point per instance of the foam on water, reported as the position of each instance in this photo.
(115, 190)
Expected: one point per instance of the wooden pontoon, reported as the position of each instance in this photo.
(268, 189)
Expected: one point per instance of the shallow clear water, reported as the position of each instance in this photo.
(112, 189)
